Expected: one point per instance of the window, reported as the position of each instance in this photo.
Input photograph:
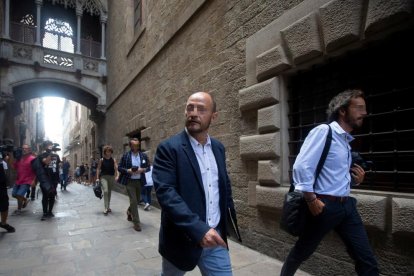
(58, 35)
(387, 134)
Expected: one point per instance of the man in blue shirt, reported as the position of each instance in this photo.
(329, 202)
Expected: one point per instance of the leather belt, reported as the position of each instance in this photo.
(334, 198)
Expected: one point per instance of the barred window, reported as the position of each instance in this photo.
(386, 137)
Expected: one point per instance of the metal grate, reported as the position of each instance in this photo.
(22, 32)
(388, 131)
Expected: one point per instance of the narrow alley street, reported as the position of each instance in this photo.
(80, 240)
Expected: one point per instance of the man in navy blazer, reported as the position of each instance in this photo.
(193, 189)
(132, 168)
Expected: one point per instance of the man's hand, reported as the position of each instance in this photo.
(358, 173)
(141, 170)
(315, 206)
(212, 239)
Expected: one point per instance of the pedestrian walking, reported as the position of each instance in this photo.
(107, 174)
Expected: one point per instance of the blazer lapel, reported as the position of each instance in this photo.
(191, 155)
(219, 160)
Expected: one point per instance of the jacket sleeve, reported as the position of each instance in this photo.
(122, 165)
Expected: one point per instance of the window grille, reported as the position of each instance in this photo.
(24, 31)
(58, 35)
(386, 137)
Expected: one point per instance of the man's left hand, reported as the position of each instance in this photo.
(212, 239)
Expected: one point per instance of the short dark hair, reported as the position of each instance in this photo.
(342, 100)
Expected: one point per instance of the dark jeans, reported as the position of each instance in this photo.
(345, 220)
(47, 201)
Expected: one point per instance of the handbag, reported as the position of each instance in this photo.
(295, 210)
(97, 190)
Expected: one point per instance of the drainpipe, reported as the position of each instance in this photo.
(39, 4)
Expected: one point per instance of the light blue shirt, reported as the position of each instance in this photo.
(209, 174)
(335, 177)
(136, 162)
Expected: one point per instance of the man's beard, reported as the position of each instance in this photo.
(197, 130)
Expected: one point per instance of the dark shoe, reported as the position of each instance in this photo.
(109, 210)
(50, 215)
(25, 203)
(32, 198)
(8, 227)
(137, 227)
(44, 217)
(129, 216)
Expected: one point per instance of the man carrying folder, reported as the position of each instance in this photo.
(194, 191)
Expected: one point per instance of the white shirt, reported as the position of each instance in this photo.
(209, 175)
(136, 162)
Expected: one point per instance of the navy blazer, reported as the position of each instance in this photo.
(180, 193)
(126, 163)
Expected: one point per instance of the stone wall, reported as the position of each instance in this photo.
(234, 50)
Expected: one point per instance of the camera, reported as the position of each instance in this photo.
(359, 160)
(7, 147)
(134, 168)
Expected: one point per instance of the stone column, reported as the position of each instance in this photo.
(7, 19)
(104, 18)
(79, 12)
(39, 4)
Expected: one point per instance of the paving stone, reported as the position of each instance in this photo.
(80, 240)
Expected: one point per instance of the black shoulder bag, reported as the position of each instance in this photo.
(295, 210)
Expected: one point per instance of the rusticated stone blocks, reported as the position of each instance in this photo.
(269, 173)
(272, 62)
(341, 21)
(259, 147)
(402, 215)
(372, 209)
(303, 39)
(270, 197)
(268, 119)
(259, 95)
(383, 13)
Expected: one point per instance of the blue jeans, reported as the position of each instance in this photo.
(213, 261)
(146, 194)
(345, 220)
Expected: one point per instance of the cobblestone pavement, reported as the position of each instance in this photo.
(80, 240)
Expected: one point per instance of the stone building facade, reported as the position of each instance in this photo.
(253, 56)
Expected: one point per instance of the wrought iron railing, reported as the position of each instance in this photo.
(27, 34)
(22, 33)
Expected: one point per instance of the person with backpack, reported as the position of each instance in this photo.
(107, 174)
(328, 198)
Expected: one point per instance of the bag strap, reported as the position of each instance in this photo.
(321, 160)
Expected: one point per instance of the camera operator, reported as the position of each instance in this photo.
(4, 198)
(43, 167)
(53, 165)
(25, 176)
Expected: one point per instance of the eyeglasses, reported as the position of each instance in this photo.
(200, 109)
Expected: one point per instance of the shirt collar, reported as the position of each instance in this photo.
(338, 129)
(194, 142)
